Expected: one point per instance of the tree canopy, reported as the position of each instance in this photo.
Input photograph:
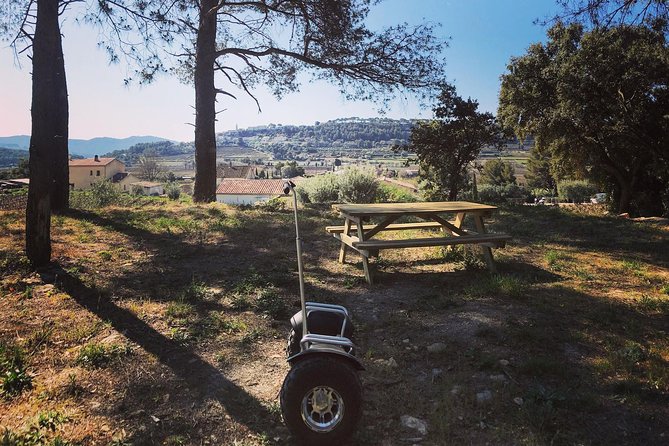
(446, 145)
(597, 103)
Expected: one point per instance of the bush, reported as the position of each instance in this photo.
(352, 186)
(394, 194)
(273, 205)
(173, 191)
(320, 189)
(499, 194)
(358, 186)
(101, 194)
(575, 191)
(13, 375)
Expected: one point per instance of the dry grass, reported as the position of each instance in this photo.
(176, 304)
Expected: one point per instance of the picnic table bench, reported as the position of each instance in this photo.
(356, 235)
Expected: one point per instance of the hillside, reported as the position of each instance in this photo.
(167, 325)
(84, 147)
(11, 157)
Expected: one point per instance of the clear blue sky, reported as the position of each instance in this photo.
(484, 35)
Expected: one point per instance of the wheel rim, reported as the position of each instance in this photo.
(322, 408)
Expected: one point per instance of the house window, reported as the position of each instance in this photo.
(97, 174)
(91, 173)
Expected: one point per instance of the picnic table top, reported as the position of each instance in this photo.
(412, 208)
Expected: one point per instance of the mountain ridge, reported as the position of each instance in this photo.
(84, 147)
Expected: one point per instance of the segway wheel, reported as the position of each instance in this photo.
(321, 400)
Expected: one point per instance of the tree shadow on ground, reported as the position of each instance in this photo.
(200, 377)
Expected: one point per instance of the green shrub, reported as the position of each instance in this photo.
(273, 205)
(352, 186)
(101, 194)
(388, 193)
(13, 376)
(499, 194)
(357, 186)
(575, 191)
(98, 355)
(320, 189)
(173, 191)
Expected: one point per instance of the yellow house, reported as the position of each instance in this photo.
(85, 172)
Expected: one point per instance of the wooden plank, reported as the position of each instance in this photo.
(432, 241)
(448, 226)
(380, 227)
(391, 227)
(412, 208)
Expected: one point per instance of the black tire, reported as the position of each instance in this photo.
(337, 383)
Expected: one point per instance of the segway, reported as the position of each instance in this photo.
(321, 396)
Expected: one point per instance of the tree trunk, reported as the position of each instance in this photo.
(205, 100)
(47, 81)
(60, 192)
(625, 199)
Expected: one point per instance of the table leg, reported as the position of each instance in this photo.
(486, 250)
(365, 259)
(342, 249)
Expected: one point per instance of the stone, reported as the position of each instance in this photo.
(504, 362)
(484, 396)
(392, 363)
(437, 347)
(417, 424)
(456, 390)
(518, 400)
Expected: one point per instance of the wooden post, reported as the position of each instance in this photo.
(365, 260)
(486, 250)
(342, 249)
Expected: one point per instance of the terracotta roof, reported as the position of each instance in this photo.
(251, 187)
(224, 171)
(89, 162)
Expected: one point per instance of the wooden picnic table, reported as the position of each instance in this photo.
(359, 236)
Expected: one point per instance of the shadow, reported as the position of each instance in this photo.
(199, 375)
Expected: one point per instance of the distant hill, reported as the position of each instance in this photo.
(11, 157)
(84, 147)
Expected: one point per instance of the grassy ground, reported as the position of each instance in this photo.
(165, 323)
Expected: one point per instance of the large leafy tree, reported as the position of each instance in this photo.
(33, 26)
(447, 144)
(612, 12)
(597, 102)
(224, 47)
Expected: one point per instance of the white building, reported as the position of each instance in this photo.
(248, 191)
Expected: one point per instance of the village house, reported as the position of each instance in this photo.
(244, 191)
(85, 172)
(229, 171)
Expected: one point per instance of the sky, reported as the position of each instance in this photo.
(483, 36)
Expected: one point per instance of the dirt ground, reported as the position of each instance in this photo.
(166, 323)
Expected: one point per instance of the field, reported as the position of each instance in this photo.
(165, 322)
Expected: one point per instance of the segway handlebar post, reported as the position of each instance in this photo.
(289, 186)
